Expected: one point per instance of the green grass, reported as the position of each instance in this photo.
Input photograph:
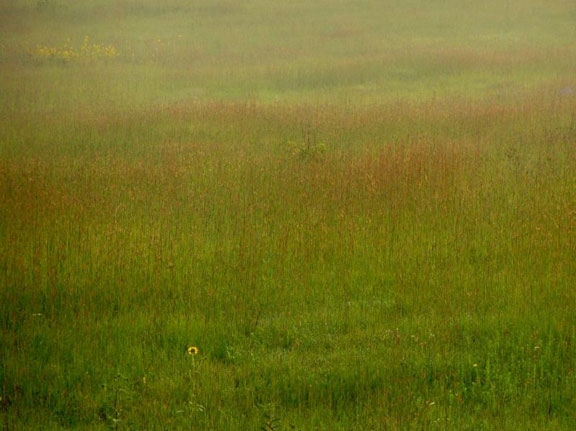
(363, 214)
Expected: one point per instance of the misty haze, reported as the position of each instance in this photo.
(288, 215)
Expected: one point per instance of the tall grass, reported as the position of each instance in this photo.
(412, 282)
(363, 219)
(366, 52)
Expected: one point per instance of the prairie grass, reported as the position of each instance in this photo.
(395, 284)
(363, 215)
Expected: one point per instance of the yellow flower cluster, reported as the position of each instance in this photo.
(87, 52)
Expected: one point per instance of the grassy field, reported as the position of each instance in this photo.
(297, 215)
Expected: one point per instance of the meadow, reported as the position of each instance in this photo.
(265, 215)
